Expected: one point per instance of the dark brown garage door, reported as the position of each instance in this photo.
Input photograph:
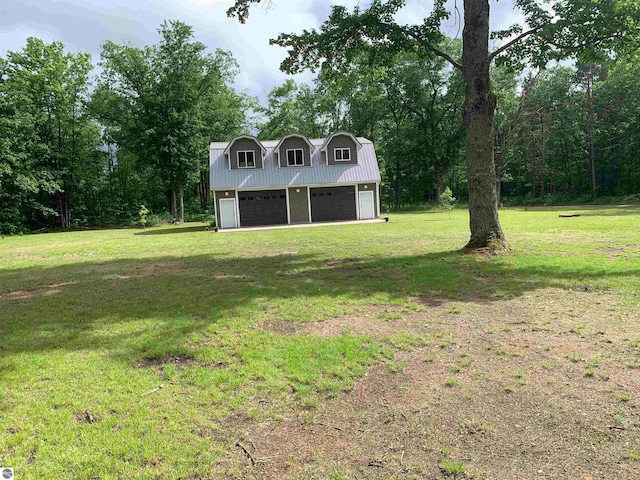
(333, 203)
(268, 207)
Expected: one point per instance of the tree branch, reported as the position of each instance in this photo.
(434, 50)
(510, 43)
(423, 43)
(587, 44)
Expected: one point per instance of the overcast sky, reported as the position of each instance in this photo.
(83, 25)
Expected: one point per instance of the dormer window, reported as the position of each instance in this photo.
(342, 154)
(341, 148)
(245, 152)
(294, 150)
(295, 157)
(246, 159)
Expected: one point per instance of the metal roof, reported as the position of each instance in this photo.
(272, 175)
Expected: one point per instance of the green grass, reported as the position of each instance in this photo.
(452, 468)
(91, 321)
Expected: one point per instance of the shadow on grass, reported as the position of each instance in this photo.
(171, 231)
(127, 307)
(583, 210)
(613, 211)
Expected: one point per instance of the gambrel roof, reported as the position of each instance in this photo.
(272, 175)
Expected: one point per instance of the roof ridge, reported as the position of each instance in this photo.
(319, 141)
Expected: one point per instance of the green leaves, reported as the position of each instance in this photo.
(161, 103)
(293, 109)
(45, 134)
(584, 29)
(346, 36)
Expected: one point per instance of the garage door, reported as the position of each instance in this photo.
(268, 207)
(333, 203)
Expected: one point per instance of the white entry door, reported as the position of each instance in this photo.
(367, 210)
(228, 213)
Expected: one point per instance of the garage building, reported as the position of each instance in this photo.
(294, 180)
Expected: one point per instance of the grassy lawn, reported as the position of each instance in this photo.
(342, 352)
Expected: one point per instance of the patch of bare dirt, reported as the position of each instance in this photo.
(145, 270)
(542, 386)
(285, 327)
(50, 289)
(86, 417)
(181, 360)
(377, 320)
(615, 252)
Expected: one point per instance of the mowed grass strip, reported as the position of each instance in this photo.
(125, 354)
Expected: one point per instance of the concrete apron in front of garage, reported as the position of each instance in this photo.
(300, 225)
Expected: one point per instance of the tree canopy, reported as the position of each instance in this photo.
(71, 155)
(159, 102)
(48, 144)
(551, 30)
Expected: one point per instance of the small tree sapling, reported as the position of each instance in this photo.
(447, 200)
(142, 216)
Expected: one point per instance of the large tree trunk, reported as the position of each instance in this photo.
(499, 162)
(592, 136)
(478, 112)
(439, 183)
(181, 212)
(174, 213)
(203, 190)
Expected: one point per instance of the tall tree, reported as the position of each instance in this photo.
(408, 103)
(46, 137)
(559, 29)
(587, 76)
(158, 102)
(293, 108)
(433, 93)
(618, 133)
(545, 148)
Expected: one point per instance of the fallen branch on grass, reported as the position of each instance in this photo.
(330, 426)
(247, 453)
(152, 391)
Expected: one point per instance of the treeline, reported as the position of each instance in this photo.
(561, 134)
(573, 133)
(408, 105)
(84, 148)
(80, 150)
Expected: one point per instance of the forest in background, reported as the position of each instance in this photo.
(84, 143)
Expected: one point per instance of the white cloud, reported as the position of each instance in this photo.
(259, 62)
(210, 3)
(14, 39)
(85, 24)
